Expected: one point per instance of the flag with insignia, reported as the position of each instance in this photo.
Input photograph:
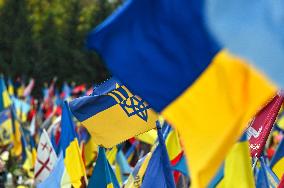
(112, 108)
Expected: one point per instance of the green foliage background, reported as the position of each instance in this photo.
(45, 38)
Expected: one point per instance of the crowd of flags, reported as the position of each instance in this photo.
(184, 107)
(108, 139)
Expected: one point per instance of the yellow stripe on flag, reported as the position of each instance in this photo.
(278, 168)
(74, 164)
(213, 112)
(120, 124)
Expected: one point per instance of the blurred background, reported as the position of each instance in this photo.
(44, 39)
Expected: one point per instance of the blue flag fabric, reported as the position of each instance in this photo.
(265, 176)
(159, 173)
(166, 39)
(103, 175)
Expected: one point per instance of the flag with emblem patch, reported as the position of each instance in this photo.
(6, 129)
(113, 109)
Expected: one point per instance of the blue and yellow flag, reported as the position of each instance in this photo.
(237, 168)
(5, 100)
(113, 109)
(17, 134)
(163, 52)
(10, 87)
(6, 129)
(75, 169)
(103, 175)
(277, 162)
(122, 165)
(159, 172)
(265, 176)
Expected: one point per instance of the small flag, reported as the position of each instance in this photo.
(29, 88)
(46, 158)
(103, 175)
(75, 169)
(159, 173)
(237, 169)
(113, 109)
(5, 100)
(262, 124)
(266, 178)
(6, 129)
(277, 161)
(54, 178)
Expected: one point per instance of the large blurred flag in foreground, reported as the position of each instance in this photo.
(75, 169)
(262, 124)
(113, 109)
(162, 51)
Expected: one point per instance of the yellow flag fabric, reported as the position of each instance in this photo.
(173, 144)
(90, 151)
(74, 164)
(111, 155)
(238, 168)
(213, 112)
(17, 149)
(148, 137)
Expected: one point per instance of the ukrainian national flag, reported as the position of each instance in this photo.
(136, 177)
(113, 109)
(5, 100)
(6, 129)
(72, 157)
(17, 142)
(103, 175)
(159, 173)
(162, 50)
(277, 162)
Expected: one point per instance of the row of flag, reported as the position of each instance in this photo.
(90, 157)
